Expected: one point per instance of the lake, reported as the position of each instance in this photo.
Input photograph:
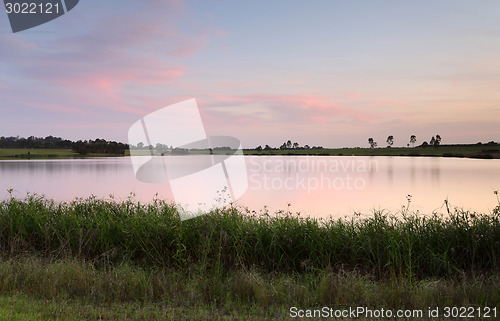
(318, 186)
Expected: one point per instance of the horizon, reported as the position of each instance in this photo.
(261, 145)
(328, 74)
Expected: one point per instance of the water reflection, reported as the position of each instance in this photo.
(435, 170)
(412, 170)
(390, 171)
(317, 186)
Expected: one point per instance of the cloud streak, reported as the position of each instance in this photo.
(289, 107)
(97, 65)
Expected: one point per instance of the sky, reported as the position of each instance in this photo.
(329, 73)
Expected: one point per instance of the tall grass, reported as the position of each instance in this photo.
(390, 246)
(72, 279)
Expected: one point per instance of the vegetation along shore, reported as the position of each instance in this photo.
(93, 258)
(12, 148)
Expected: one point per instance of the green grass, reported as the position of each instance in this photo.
(388, 246)
(473, 151)
(24, 308)
(35, 288)
(6, 154)
(127, 260)
(36, 153)
(443, 151)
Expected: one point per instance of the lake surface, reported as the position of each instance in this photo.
(318, 186)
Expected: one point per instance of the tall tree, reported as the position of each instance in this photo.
(413, 139)
(437, 141)
(372, 143)
(289, 144)
(390, 140)
(432, 142)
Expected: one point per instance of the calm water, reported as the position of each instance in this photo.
(315, 186)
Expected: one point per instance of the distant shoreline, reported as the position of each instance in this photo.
(481, 151)
(478, 151)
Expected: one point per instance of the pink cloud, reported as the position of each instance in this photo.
(320, 119)
(294, 116)
(154, 103)
(221, 34)
(294, 103)
(188, 46)
(110, 81)
(294, 82)
(240, 84)
(50, 107)
(14, 47)
(100, 125)
(388, 103)
(354, 95)
(107, 65)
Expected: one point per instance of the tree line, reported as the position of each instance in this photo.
(97, 146)
(435, 141)
(288, 145)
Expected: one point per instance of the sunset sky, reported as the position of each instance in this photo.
(330, 73)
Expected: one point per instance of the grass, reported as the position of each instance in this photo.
(37, 288)
(127, 260)
(36, 153)
(474, 151)
(153, 234)
(20, 153)
(24, 307)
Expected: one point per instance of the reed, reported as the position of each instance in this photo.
(107, 233)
